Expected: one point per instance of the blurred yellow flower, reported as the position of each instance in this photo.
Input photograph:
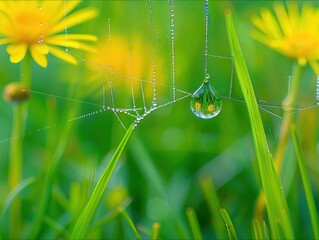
(291, 32)
(130, 61)
(39, 27)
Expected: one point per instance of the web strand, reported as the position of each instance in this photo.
(66, 29)
(206, 38)
(107, 74)
(172, 26)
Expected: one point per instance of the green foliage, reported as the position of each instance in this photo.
(71, 184)
(86, 216)
(193, 222)
(228, 224)
(276, 203)
(306, 184)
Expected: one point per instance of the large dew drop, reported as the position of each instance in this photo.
(205, 102)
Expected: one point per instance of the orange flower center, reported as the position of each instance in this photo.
(30, 26)
(197, 106)
(210, 108)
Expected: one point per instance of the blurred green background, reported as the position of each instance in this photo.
(171, 149)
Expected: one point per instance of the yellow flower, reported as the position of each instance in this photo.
(291, 32)
(39, 27)
(127, 62)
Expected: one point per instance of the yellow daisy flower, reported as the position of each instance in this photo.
(39, 27)
(291, 32)
(128, 60)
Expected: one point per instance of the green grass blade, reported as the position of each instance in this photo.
(131, 224)
(13, 194)
(306, 183)
(86, 216)
(265, 231)
(257, 230)
(276, 203)
(193, 222)
(155, 231)
(57, 227)
(45, 197)
(229, 224)
(98, 224)
(209, 191)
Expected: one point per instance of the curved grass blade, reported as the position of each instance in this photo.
(109, 217)
(13, 194)
(60, 229)
(277, 208)
(86, 216)
(306, 184)
(193, 222)
(229, 224)
(130, 223)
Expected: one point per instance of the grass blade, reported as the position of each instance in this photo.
(13, 194)
(257, 230)
(193, 222)
(131, 224)
(60, 229)
(86, 216)
(265, 231)
(229, 224)
(306, 183)
(155, 231)
(209, 191)
(277, 208)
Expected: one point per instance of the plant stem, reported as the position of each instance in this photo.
(16, 147)
(288, 104)
(52, 169)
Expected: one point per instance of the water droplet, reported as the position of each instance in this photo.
(205, 102)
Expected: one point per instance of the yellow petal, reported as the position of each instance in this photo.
(271, 24)
(262, 38)
(74, 19)
(38, 53)
(83, 37)
(4, 41)
(282, 16)
(58, 9)
(62, 55)
(70, 44)
(17, 52)
(259, 24)
(293, 12)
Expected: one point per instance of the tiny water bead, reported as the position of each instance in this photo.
(205, 102)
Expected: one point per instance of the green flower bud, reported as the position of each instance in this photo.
(16, 93)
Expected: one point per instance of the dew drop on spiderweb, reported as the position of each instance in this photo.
(205, 102)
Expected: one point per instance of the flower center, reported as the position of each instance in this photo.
(30, 27)
(303, 44)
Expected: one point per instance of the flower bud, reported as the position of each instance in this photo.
(16, 93)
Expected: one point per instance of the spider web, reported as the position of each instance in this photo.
(147, 95)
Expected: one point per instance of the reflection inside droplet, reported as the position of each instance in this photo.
(205, 102)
